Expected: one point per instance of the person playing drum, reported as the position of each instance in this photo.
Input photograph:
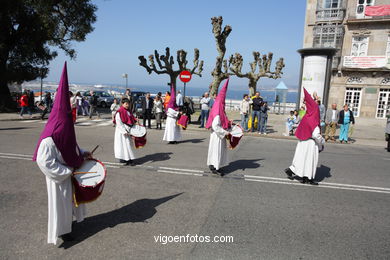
(172, 132)
(57, 154)
(219, 125)
(123, 141)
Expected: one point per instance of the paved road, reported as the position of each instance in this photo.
(170, 192)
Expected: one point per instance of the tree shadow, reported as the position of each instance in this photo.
(194, 141)
(138, 211)
(156, 157)
(322, 173)
(241, 165)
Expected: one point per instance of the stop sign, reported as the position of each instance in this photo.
(185, 76)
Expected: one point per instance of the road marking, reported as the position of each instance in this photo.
(105, 123)
(112, 166)
(17, 158)
(181, 173)
(176, 169)
(28, 121)
(83, 124)
(20, 155)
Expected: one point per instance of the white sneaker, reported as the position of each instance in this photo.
(259, 133)
(265, 133)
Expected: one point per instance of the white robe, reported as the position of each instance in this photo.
(123, 143)
(217, 155)
(59, 191)
(306, 155)
(172, 130)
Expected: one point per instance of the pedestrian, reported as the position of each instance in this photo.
(263, 118)
(345, 118)
(147, 106)
(131, 100)
(322, 114)
(166, 99)
(212, 99)
(289, 124)
(158, 111)
(43, 108)
(302, 111)
(179, 100)
(387, 131)
(172, 132)
(114, 107)
(24, 105)
(73, 105)
(93, 102)
(57, 155)
(123, 141)
(331, 120)
(309, 145)
(218, 123)
(85, 106)
(257, 101)
(79, 103)
(204, 109)
(48, 101)
(244, 112)
(31, 100)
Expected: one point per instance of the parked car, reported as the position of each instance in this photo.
(104, 99)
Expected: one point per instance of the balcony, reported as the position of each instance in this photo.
(326, 15)
(321, 29)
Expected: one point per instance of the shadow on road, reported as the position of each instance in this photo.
(241, 165)
(14, 128)
(322, 173)
(194, 141)
(138, 211)
(156, 157)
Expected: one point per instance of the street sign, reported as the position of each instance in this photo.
(185, 76)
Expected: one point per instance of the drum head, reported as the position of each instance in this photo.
(96, 172)
(138, 131)
(236, 131)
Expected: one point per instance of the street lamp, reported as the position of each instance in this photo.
(124, 75)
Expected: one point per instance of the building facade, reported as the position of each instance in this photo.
(361, 65)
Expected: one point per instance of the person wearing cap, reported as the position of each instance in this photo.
(57, 155)
(310, 144)
(172, 132)
(218, 123)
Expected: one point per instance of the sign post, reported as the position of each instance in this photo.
(185, 76)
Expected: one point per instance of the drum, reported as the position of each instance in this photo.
(88, 181)
(235, 136)
(139, 135)
(183, 121)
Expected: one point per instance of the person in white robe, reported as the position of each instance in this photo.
(218, 123)
(57, 155)
(172, 132)
(311, 142)
(123, 141)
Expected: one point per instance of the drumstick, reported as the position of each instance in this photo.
(94, 149)
(83, 172)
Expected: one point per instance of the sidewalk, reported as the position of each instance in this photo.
(367, 131)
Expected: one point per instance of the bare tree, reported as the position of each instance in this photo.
(220, 38)
(165, 64)
(263, 64)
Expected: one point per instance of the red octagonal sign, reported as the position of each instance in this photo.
(185, 76)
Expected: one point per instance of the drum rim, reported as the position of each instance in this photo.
(104, 178)
(141, 126)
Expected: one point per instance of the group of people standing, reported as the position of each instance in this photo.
(259, 109)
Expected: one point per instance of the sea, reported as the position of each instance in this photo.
(232, 94)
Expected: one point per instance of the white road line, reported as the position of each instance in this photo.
(181, 173)
(17, 158)
(111, 166)
(387, 159)
(320, 186)
(83, 124)
(321, 183)
(28, 121)
(105, 124)
(20, 155)
(176, 169)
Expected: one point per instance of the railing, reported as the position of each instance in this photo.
(330, 15)
(338, 30)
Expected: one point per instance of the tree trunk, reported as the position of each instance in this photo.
(6, 102)
(215, 85)
(252, 87)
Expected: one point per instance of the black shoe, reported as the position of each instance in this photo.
(67, 237)
(289, 173)
(211, 167)
(305, 180)
(220, 173)
(171, 142)
(312, 182)
(130, 162)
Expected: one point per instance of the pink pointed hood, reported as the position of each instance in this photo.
(60, 126)
(218, 108)
(172, 100)
(311, 119)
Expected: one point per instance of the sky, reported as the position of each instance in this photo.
(125, 30)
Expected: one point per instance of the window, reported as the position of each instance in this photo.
(352, 99)
(383, 103)
(359, 46)
(361, 7)
(388, 47)
(332, 3)
(328, 35)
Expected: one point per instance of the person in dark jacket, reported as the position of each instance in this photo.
(93, 102)
(256, 102)
(147, 106)
(345, 118)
